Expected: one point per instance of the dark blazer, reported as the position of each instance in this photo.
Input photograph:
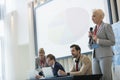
(57, 66)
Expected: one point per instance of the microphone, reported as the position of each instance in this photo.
(90, 38)
(92, 43)
(91, 29)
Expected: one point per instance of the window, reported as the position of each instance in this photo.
(0, 61)
(2, 8)
(1, 50)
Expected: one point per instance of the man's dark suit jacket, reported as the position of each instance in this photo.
(57, 66)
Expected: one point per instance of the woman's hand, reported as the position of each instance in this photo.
(90, 34)
(94, 38)
(38, 76)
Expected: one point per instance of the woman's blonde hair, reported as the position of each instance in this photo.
(99, 12)
(41, 50)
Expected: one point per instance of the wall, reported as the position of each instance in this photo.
(19, 41)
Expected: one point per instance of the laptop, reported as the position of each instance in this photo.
(47, 71)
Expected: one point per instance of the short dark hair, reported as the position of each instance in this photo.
(52, 57)
(76, 47)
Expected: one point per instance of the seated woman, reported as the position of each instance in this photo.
(40, 62)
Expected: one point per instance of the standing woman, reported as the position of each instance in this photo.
(103, 36)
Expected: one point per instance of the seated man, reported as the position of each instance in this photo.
(51, 61)
(40, 62)
(82, 64)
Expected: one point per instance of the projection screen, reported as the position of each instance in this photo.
(61, 23)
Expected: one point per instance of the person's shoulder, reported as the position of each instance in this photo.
(85, 58)
(37, 58)
(57, 64)
(107, 27)
(107, 24)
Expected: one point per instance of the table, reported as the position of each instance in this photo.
(80, 77)
(88, 77)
